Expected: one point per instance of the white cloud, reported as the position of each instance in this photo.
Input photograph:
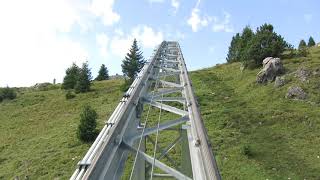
(31, 50)
(103, 9)
(222, 25)
(102, 41)
(175, 4)
(156, 1)
(120, 45)
(145, 35)
(307, 18)
(196, 21)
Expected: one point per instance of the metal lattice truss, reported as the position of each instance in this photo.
(162, 84)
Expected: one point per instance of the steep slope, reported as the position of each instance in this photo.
(38, 130)
(256, 132)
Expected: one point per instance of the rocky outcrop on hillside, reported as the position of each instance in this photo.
(303, 74)
(296, 93)
(272, 67)
(280, 81)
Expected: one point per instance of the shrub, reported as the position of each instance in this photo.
(247, 151)
(70, 95)
(7, 93)
(87, 127)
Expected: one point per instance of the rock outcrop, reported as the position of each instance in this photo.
(272, 67)
(280, 81)
(296, 93)
(302, 74)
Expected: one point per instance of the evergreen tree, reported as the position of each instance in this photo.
(302, 44)
(88, 123)
(239, 45)
(84, 79)
(246, 37)
(71, 77)
(265, 43)
(311, 42)
(133, 62)
(234, 49)
(103, 73)
(302, 49)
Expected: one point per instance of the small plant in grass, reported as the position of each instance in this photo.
(246, 150)
(88, 122)
(70, 95)
(7, 93)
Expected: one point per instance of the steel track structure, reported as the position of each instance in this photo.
(125, 132)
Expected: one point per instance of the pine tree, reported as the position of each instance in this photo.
(84, 79)
(302, 49)
(71, 77)
(234, 49)
(103, 73)
(88, 123)
(133, 62)
(246, 37)
(265, 43)
(302, 44)
(311, 42)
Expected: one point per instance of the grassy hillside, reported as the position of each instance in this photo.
(256, 132)
(38, 130)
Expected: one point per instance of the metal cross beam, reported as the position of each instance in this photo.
(163, 84)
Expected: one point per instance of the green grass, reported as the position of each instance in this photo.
(38, 130)
(255, 131)
(282, 135)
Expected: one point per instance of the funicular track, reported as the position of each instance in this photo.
(156, 130)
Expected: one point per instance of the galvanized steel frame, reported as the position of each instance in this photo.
(106, 157)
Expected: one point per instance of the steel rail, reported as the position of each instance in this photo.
(202, 141)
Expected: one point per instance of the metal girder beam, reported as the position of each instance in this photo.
(162, 126)
(171, 70)
(158, 147)
(168, 74)
(170, 84)
(159, 164)
(168, 108)
(181, 100)
(169, 147)
(164, 91)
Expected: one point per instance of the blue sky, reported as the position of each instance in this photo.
(41, 38)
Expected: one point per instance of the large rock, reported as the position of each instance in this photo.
(272, 67)
(302, 74)
(296, 93)
(280, 81)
